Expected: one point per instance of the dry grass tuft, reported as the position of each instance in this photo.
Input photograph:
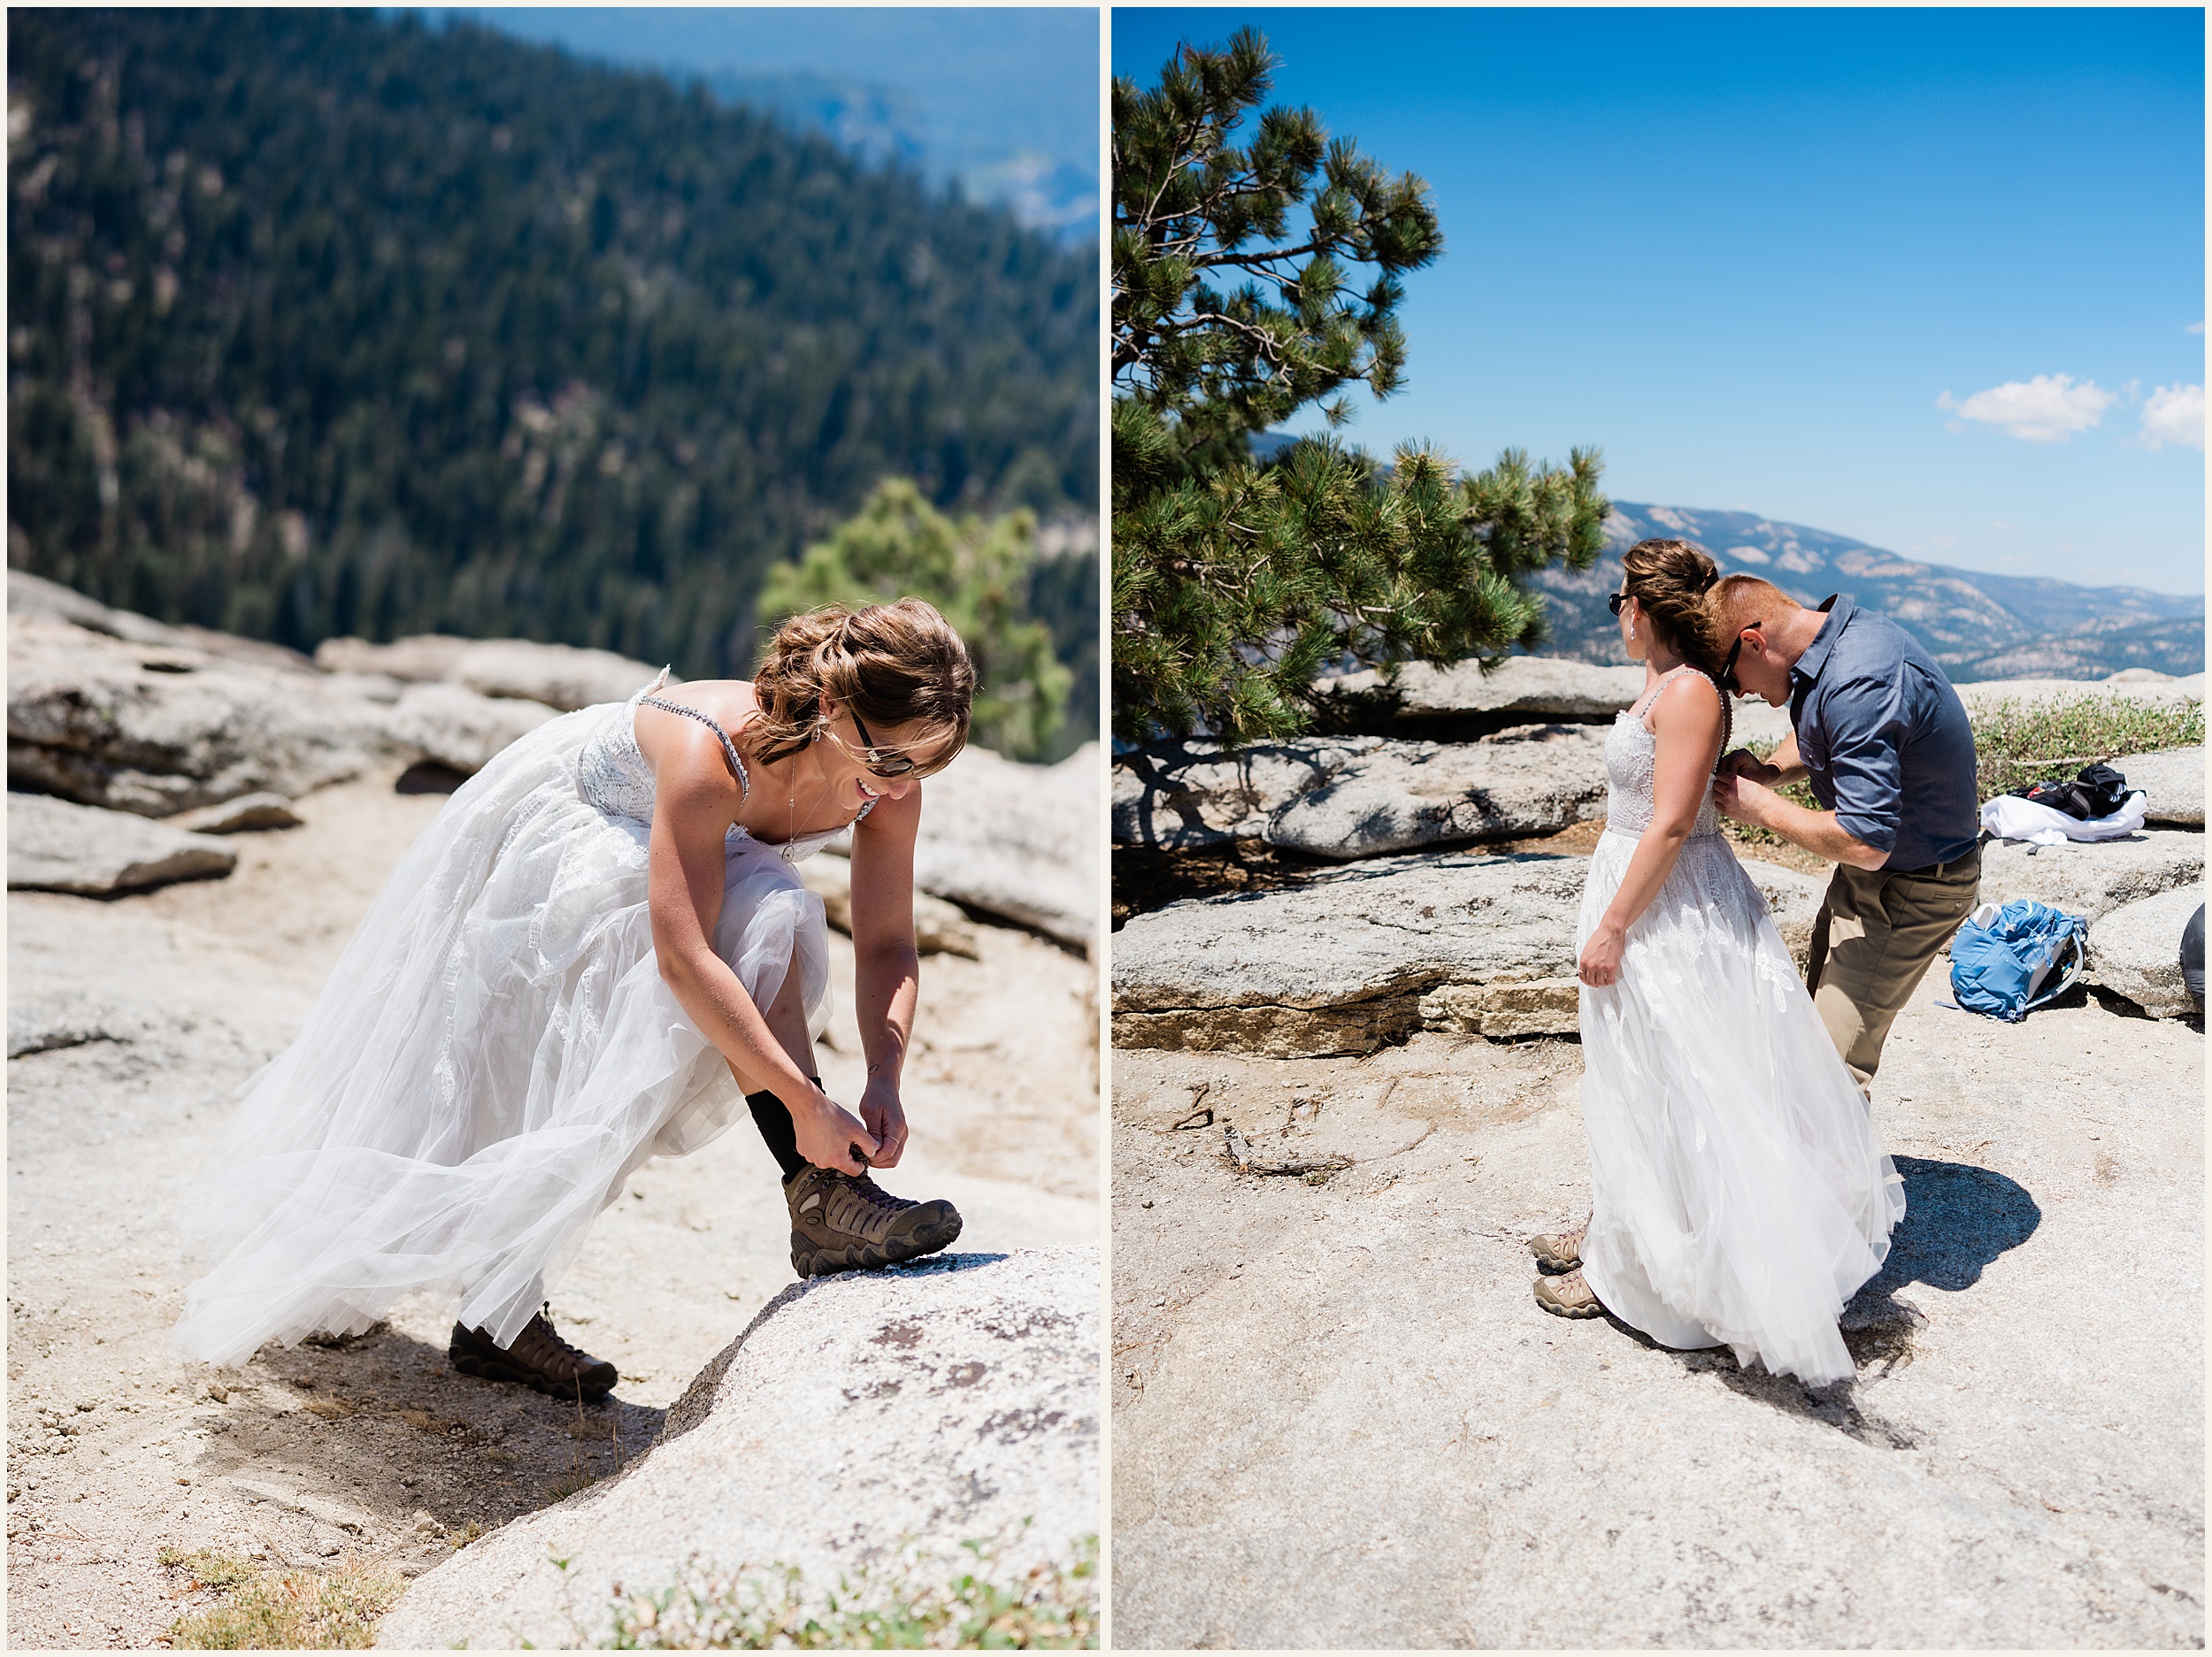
(261, 1609)
(922, 1603)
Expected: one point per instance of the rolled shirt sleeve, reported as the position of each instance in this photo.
(1867, 723)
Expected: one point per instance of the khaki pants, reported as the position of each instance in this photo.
(1873, 941)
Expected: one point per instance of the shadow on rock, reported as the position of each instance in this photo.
(1958, 1218)
(365, 1433)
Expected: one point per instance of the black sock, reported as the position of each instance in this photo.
(773, 1119)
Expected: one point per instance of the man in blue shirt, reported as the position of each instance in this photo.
(1884, 742)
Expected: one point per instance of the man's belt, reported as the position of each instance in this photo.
(1938, 871)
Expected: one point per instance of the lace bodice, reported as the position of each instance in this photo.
(1630, 759)
(613, 774)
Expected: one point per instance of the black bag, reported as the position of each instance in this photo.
(2098, 791)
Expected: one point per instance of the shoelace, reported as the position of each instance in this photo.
(875, 1195)
(542, 1327)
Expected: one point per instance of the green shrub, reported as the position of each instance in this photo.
(2017, 743)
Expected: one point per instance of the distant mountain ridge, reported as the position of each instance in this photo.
(1976, 627)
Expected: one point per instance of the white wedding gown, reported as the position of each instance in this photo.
(494, 1054)
(1739, 1193)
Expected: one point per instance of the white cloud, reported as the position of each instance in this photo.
(2195, 328)
(2049, 409)
(2174, 414)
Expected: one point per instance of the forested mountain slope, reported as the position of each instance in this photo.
(323, 323)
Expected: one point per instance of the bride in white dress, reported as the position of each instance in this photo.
(599, 944)
(1739, 1193)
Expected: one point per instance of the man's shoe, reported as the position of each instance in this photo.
(840, 1222)
(1568, 1296)
(538, 1359)
(1559, 1251)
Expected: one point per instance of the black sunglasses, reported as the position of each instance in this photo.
(1617, 600)
(879, 762)
(1728, 668)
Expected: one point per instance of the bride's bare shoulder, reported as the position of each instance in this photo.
(1691, 698)
(678, 742)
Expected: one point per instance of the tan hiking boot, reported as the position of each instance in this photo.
(537, 1358)
(1559, 1251)
(1568, 1296)
(841, 1221)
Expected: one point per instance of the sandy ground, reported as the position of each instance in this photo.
(1341, 1419)
(375, 1449)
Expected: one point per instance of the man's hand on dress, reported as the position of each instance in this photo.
(827, 1133)
(886, 1116)
(1741, 761)
(1744, 798)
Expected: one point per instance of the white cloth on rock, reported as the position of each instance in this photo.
(2009, 817)
(1739, 1194)
(494, 1054)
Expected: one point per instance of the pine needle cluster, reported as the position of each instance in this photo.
(1235, 584)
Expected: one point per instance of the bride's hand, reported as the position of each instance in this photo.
(1600, 961)
(886, 1116)
(826, 1132)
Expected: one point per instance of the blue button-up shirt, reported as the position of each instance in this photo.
(1885, 739)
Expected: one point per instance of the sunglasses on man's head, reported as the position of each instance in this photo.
(1728, 668)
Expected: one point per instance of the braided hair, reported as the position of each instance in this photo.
(891, 664)
(1668, 580)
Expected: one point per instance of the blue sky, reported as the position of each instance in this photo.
(1004, 97)
(1930, 278)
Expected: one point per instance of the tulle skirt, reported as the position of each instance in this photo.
(1740, 1194)
(494, 1054)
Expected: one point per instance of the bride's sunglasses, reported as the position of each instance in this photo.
(885, 762)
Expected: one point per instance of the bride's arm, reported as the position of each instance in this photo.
(694, 801)
(886, 968)
(1686, 718)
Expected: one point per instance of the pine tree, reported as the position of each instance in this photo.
(976, 573)
(1235, 584)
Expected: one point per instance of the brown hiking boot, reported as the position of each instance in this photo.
(842, 1221)
(1559, 1251)
(538, 1359)
(1568, 1296)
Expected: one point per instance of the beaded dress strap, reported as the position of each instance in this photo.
(1727, 713)
(729, 748)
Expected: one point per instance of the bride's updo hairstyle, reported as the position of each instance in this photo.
(1669, 579)
(894, 665)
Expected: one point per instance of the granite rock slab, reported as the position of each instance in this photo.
(1014, 840)
(2090, 879)
(159, 729)
(1355, 958)
(57, 845)
(953, 1400)
(1529, 780)
(2135, 951)
(2172, 780)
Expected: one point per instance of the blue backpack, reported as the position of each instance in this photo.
(2006, 961)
